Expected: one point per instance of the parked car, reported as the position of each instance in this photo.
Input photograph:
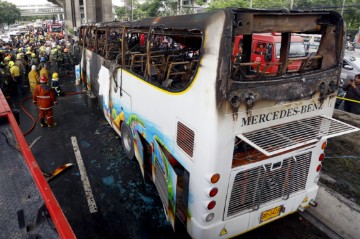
(5, 38)
(350, 67)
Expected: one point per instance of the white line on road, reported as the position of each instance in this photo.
(35, 140)
(84, 177)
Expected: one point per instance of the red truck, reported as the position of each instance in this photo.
(266, 50)
(55, 29)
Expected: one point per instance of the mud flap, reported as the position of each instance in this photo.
(139, 151)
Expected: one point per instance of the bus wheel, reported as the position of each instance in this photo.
(127, 141)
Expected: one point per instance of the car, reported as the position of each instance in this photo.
(5, 38)
(350, 67)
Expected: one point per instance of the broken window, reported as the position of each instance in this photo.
(167, 58)
(261, 55)
(173, 58)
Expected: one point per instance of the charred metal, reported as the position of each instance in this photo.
(313, 76)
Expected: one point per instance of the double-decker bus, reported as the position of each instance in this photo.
(229, 145)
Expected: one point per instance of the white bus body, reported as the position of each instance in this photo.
(262, 135)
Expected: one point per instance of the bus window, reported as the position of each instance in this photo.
(113, 44)
(264, 60)
(173, 58)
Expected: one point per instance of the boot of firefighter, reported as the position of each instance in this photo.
(42, 123)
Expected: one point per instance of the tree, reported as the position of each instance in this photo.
(9, 13)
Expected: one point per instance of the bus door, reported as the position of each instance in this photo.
(166, 180)
(119, 101)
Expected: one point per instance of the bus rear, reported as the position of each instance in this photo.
(272, 125)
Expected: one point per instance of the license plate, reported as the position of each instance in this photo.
(271, 213)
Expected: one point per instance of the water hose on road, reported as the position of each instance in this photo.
(31, 117)
(28, 114)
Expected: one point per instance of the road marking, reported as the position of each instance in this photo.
(35, 140)
(84, 178)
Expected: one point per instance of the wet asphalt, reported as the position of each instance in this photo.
(127, 207)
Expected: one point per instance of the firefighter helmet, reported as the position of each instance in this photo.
(11, 64)
(43, 79)
(55, 75)
(33, 55)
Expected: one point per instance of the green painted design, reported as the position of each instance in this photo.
(135, 118)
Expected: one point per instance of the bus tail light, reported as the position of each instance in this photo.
(215, 178)
(321, 157)
(211, 205)
(323, 146)
(213, 192)
(209, 217)
(318, 168)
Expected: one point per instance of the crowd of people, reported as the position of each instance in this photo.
(28, 62)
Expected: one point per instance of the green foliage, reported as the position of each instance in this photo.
(9, 13)
(154, 8)
(150, 8)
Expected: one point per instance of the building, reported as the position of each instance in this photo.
(79, 12)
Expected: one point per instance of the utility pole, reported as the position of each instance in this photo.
(342, 8)
(132, 10)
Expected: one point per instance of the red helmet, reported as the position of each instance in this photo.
(43, 79)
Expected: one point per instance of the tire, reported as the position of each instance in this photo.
(127, 141)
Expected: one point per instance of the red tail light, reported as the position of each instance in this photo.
(318, 168)
(211, 205)
(213, 192)
(321, 157)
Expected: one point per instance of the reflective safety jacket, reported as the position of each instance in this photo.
(44, 97)
(33, 79)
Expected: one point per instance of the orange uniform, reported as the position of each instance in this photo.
(45, 99)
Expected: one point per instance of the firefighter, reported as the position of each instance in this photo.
(44, 71)
(55, 84)
(53, 60)
(16, 79)
(44, 97)
(34, 60)
(33, 78)
(67, 61)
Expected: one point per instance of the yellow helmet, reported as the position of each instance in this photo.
(55, 75)
(28, 53)
(20, 50)
(11, 64)
(33, 55)
(18, 56)
(28, 48)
